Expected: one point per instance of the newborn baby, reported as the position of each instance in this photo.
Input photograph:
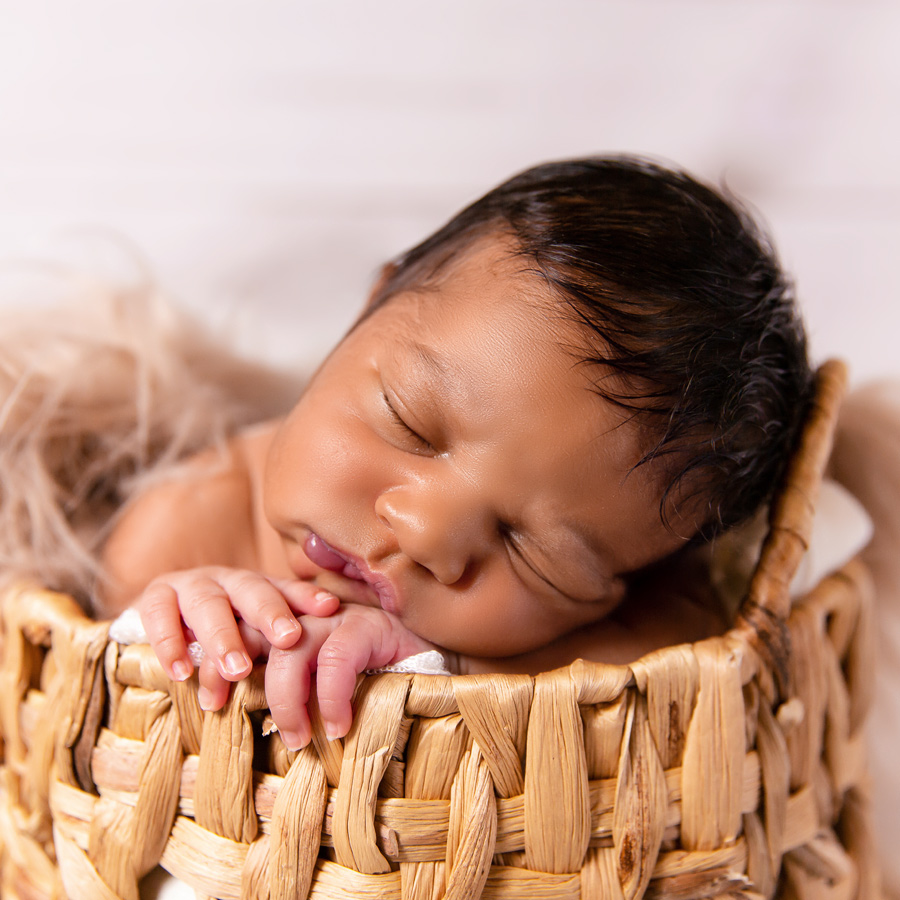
(541, 407)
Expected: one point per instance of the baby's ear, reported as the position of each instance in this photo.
(388, 270)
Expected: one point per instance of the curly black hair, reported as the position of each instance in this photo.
(689, 321)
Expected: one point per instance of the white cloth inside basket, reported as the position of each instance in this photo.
(841, 529)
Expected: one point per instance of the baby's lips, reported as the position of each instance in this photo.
(326, 557)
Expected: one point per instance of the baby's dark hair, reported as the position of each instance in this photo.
(691, 325)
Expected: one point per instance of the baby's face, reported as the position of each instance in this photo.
(450, 464)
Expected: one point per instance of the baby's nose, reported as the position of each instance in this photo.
(442, 530)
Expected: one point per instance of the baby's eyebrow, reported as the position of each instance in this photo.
(430, 359)
(441, 370)
(454, 377)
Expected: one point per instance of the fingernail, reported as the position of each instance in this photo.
(324, 596)
(204, 698)
(332, 732)
(180, 670)
(235, 663)
(285, 627)
(292, 740)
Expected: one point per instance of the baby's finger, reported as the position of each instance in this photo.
(269, 605)
(214, 689)
(350, 649)
(307, 598)
(287, 692)
(161, 618)
(206, 610)
(254, 642)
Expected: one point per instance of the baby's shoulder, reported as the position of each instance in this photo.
(204, 512)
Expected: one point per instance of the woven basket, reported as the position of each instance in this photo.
(733, 767)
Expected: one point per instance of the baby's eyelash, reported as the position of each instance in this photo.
(509, 537)
(401, 423)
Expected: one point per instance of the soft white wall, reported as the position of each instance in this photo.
(267, 156)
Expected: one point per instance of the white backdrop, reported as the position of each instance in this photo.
(267, 156)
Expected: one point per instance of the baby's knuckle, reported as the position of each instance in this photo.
(281, 708)
(248, 582)
(155, 603)
(203, 597)
(219, 637)
(168, 645)
(333, 651)
(333, 656)
(329, 707)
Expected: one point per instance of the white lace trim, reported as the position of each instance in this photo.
(430, 662)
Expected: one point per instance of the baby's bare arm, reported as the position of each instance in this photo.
(205, 515)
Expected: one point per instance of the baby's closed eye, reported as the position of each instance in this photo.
(407, 433)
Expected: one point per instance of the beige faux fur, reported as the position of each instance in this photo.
(866, 459)
(107, 389)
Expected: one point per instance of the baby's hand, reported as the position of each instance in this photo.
(337, 649)
(235, 614)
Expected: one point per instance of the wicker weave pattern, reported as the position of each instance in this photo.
(727, 768)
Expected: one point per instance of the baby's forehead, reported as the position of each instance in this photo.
(495, 264)
(494, 255)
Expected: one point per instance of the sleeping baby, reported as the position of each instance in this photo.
(540, 413)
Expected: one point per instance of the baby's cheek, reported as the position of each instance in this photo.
(484, 627)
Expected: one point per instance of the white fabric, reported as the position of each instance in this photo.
(431, 662)
(128, 629)
(841, 529)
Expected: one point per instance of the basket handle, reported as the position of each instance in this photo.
(768, 601)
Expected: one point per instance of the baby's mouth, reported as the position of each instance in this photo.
(322, 554)
(326, 557)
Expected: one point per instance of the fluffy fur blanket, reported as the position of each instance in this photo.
(103, 390)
